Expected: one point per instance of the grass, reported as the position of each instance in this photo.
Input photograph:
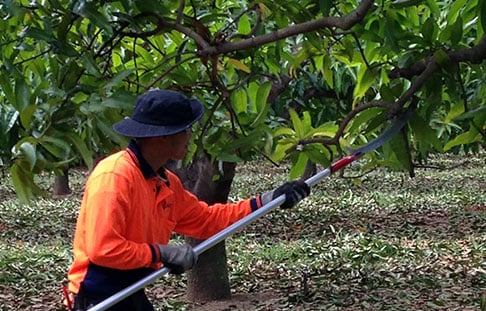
(383, 242)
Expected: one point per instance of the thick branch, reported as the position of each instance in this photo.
(475, 55)
(206, 49)
(344, 23)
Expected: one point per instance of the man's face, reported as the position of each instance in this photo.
(178, 144)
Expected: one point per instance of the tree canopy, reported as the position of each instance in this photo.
(294, 79)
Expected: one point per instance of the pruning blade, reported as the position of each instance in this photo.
(387, 134)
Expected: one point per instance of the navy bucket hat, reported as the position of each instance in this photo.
(160, 113)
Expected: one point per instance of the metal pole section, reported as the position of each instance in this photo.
(205, 245)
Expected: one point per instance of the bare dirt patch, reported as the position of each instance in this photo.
(267, 300)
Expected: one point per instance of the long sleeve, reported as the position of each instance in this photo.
(200, 220)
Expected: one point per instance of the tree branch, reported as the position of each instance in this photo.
(344, 23)
(335, 140)
(475, 55)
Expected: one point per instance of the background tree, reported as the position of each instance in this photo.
(297, 80)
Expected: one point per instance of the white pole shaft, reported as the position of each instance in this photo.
(204, 245)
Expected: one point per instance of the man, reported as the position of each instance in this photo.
(132, 204)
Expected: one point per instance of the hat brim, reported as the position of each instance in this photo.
(134, 129)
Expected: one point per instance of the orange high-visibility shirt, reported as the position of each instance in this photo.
(125, 213)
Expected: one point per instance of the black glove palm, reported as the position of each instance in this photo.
(177, 258)
(294, 192)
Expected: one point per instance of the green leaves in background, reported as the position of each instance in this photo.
(76, 69)
(251, 110)
(289, 143)
(482, 14)
(425, 136)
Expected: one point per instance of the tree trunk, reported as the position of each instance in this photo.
(61, 183)
(208, 280)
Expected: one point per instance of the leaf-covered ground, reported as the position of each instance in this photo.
(385, 242)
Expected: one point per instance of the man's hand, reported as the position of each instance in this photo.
(177, 258)
(294, 192)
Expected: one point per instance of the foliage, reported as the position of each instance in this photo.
(388, 242)
(302, 130)
(74, 68)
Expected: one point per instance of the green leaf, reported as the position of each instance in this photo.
(327, 129)
(9, 117)
(38, 34)
(245, 141)
(90, 12)
(455, 10)
(283, 131)
(317, 153)
(181, 50)
(238, 64)
(239, 101)
(7, 89)
(482, 14)
(117, 79)
(366, 78)
(244, 26)
(145, 54)
(90, 64)
(470, 114)
(390, 31)
(429, 29)
(364, 117)
(261, 103)
(325, 7)
(151, 6)
(456, 31)
(434, 8)
(327, 71)
(306, 121)
(299, 166)
(456, 110)
(465, 138)
(120, 100)
(483, 302)
(22, 94)
(424, 133)
(82, 148)
(281, 151)
(71, 74)
(26, 115)
(27, 151)
(441, 57)
(297, 124)
(56, 146)
(400, 4)
(23, 182)
(105, 127)
(390, 157)
(399, 148)
(63, 28)
(228, 157)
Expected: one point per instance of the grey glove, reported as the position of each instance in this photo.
(178, 258)
(294, 192)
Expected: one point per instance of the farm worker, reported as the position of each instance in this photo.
(132, 204)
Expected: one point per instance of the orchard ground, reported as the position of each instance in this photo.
(383, 241)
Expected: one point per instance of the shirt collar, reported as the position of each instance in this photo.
(146, 169)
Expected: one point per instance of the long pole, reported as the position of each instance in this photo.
(218, 237)
(223, 234)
